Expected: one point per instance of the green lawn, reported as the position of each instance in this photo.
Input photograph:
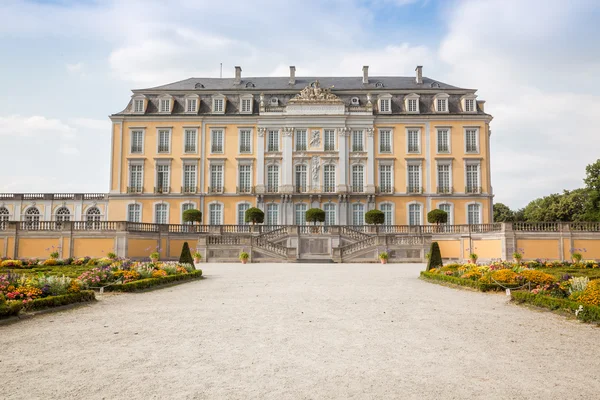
(72, 271)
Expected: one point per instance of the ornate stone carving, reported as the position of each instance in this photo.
(315, 139)
(315, 94)
(344, 131)
(315, 166)
(370, 132)
(262, 131)
(288, 131)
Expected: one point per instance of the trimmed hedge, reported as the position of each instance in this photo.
(10, 310)
(589, 313)
(483, 287)
(62, 300)
(151, 282)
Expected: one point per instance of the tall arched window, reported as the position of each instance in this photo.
(4, 216)
(301, 178)
(241, 213)
(134, 212)
(62, 214)
(358, 176)
(358, 214)
(184, 208)
(473, 214)
(215, 214)
(414, 214)
(32, 218)
(92, 216)
(161, 213)
(329, 178)
(329, 209)
(272, 214)
(272, 178)
(387, 210)
(301, 214)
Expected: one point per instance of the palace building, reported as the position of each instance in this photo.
(347, 145)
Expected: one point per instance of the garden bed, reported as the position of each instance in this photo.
(468, 283)
(585, 313)
(151, 283)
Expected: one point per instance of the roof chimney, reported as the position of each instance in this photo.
(238, 75)
(292, 75)
(419, 70)
(365, 74)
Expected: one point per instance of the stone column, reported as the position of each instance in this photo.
(342, 210)
(343, 134)
(260, 160)
(370, 160)
(287, 182)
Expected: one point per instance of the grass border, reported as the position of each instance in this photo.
(480, 286)
(144, 284)
(588, 314)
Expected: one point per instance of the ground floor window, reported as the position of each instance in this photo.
(272, 216)
(473, 211)
(358, 214)
(330, 211)
(241, 217)
(134, 213)
(215, 213)
(414, 214)
(301, 214)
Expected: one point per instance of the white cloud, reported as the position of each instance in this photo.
(76, 68)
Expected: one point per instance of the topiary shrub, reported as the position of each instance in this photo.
(374, 217)
(315, 215)
(254, 215)
(435, 261)
(437, 216)
(192, 216)
(186, 256)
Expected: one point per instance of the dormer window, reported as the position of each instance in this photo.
(246, 104)
(138, 106)
(469, 104)
(164, 104)
(440, 103)
(411, 103)
(191, 104)
(219, 104)
(385, 104)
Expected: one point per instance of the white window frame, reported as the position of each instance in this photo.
(277, 142)
(247, 97)
(60, 217)
(185, 164)
(131, 130)
(450, 220)
(154, 206)
(212, 133)
(296, 205)
(188, 102)
(163, 163)
(393, 211)
(136, 101)
(248, 164)
(278, 182)
(390, 132)
(386, 163)
(469, 97)
(479, 173)
(362, 184)
(437, 176)
(421, 209)
(325, 183)
(352, 206)
(135, 203)
(384, 104)
(477, 139)
(329, 132)
(186, 130)
(408, 130)
(298, 188)
(480, 216)
(210, 173)
(222, 217)
(237, 213)
(334, 211)
(158, 132)
(214, 104)
(444, 97)
(437, 139)
(250, 130)
(296, 141)
(181, 210)
(412, 96)
(139, 163)
(277, 208)
(161, 99)
(362, 140)
(419, 164)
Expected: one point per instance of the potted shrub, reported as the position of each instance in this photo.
(576, 257)
(473, 257)
(112, 255)
(244, 257)
(517, 257)
(197, 257)
(154, 256)
(383, 257)
(54, 255)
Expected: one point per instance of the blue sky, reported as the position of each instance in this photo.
(67, 65)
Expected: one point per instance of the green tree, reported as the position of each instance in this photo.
(437, 216)
(502, 213)
(186, 256)
(592, 176)
(254, 215)
(376, 217)
(315, 215)
(435, 257)
(192, 216)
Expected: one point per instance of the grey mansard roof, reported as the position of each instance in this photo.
(282, 83)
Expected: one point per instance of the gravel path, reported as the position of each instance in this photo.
(301, 331)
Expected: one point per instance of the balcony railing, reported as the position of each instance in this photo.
(445, 190)
(357, 188)
(414, 189)
(358, 149)
(245, 149)
(385, 149)
(414, 149)
(272, 189)
(216, 189)
(135, 189)
(163, 149)
(189, 189)
(216, 149)
(329, 189)
(273, 149)
(190, 148)
(443, 149)
(385, 189)
(301, 188)
(300, 147)
(329, 147)
(473, 189)
(162, 189)
(244, 189)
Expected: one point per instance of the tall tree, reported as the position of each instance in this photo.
(502, 213)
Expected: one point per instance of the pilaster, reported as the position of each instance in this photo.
(343, 134)
(287, 182)
(370, 160)
(260, 160)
